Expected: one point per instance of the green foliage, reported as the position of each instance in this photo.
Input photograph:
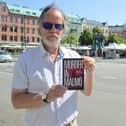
(96, 30)
(64, 40)
(71, 39)
(112, 37)
(92, 37)
(116, 38)
(86, 37)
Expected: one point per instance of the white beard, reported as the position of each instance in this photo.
(51, 42)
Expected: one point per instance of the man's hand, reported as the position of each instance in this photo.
(56, 91)
(89, 64)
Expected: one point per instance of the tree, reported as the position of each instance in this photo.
(86, 37)
(112, 37)
(96, 30)
(64, 40)
(115, 38)
(71, 39)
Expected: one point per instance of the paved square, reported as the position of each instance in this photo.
(106, 106)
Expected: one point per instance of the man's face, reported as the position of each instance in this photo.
(52, 28)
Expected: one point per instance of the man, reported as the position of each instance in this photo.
(37, 80)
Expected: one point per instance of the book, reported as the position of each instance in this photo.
(73, 73)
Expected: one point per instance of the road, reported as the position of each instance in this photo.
(106, 106)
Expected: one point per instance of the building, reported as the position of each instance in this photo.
(120, 30)
(90, 24)
(74, 24)
(19, 24)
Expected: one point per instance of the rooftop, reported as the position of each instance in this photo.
(24, 10)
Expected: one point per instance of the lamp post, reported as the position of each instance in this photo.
(23, 43)
(94, 46)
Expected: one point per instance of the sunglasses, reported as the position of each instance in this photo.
(49, 26)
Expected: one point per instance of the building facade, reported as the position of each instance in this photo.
(74, 24)
(19, 24)
(120, 30)
(90, 24)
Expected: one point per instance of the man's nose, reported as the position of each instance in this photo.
(53, 29)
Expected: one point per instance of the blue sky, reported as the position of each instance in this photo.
(111, 11)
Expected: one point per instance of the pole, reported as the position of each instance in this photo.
(24, 37)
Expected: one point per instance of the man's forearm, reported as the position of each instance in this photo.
(88, 84)
(27, 100)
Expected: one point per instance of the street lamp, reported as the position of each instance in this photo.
(23, 43)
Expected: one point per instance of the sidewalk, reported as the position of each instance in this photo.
(118, 60)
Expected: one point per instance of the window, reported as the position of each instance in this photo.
(3, 9)
(38, 39)
(33, 39)
(15, 20)
(11, 28)
(15, 28)
(12, 10)
(3, 18)
(4, 28)
(33, 13)
(11, 19)
(22, 39)
(38, 31)
(33, 31)
(15, 38)
(27, 12)
(22, 20)
(18, 11)
(27, 39)
(11, 38)
(27, 30)
(33, 22)
(4, 37)
(22, 29)
(27, 21)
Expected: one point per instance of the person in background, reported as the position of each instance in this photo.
(37, 78)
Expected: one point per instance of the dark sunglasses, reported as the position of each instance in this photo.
(49, 26)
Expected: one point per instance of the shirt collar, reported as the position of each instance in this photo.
(43, 52)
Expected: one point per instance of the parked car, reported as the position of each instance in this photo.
(5, 56)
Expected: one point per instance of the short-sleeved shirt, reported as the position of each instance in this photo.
(35, 71)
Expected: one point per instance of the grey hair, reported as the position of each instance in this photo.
(45, 10)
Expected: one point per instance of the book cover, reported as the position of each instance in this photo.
(73, 73)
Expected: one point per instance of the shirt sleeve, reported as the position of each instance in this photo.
(20, 79)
